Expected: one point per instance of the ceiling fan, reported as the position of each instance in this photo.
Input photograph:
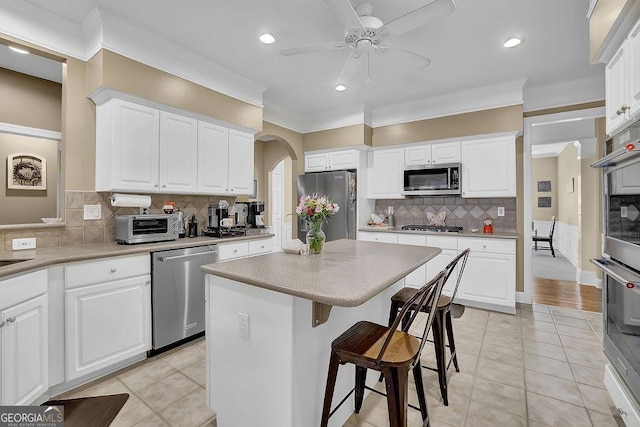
(365, 33)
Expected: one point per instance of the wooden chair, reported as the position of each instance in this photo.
(546, 239)
(442, 321)
(388, 350)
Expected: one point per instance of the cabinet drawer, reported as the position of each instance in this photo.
(257, 247)
(621, 398)
(443, 242)
(378, 237)
(21, 288)
(233, 251)
(412, 239)
(497, 246)
(105, 270)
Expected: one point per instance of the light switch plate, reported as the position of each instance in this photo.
(27, 243)
(501, 211)
(92, 212)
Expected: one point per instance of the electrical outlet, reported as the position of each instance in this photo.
(92, 212)
(501, 211)
(624, 211)
(18, 244)
(243, 325)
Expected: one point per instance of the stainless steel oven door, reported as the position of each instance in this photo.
(621, 340)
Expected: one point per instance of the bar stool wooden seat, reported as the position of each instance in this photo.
(388, 350)
(441, 324)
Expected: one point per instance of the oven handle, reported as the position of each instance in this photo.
(601, 264)
(171, 258)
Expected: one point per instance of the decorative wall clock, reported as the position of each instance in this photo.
(26, 172)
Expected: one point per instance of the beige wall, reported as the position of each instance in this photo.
(544, 169)
(338, 138)
(30, 101)
(110, 70)
(458, 125)
(602, 19)
(590, 207)
(28, 206)
(569, 203)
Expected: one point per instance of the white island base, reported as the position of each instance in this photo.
(276, 377)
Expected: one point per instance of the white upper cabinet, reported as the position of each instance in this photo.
(178, 153)
(331, 161)
(489, 167)
(240, 163)
(143, 149)
(386, 174)
(622, 77)
(213, 158)
(127, 147)
(422, 155)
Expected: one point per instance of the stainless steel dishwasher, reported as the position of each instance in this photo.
(177, 294)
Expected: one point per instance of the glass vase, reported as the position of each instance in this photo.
(315, 237)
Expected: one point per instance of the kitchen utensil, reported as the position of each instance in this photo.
(193, 226)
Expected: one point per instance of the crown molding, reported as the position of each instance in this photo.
(37, 26)
(564, 93)
(30, 131)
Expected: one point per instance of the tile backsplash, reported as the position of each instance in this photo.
(78, 231)
(467, 213)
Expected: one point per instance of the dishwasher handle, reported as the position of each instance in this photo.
(171, 258)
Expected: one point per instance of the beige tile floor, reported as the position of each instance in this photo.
(543, 366)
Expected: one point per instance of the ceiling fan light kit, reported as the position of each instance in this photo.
(365, 33)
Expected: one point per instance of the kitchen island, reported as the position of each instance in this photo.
(271, 320)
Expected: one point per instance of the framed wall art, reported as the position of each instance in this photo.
(544, 202)
(544, 186)
(26, 172)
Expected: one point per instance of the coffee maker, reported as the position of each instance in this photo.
(255, 217)
(217, 227)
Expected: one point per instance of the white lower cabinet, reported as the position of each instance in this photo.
(489, 278)
(24, 353)
(107, 321)
(237, 250)
(490, 274)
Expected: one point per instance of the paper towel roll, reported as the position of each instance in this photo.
(130, 200)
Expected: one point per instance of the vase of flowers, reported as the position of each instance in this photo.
(316, 210)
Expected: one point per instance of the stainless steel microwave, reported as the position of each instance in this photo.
(432, 180)
(132, 229)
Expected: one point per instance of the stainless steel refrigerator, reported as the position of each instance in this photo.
(341, 188)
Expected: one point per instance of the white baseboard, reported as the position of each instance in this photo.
(522, 297)
(585, 277)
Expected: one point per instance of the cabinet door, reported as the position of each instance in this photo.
(240, 163)
(626, 180)
(386, 174)
(489, 168)
(213, 155)
(489, 279)
(445, 153)
(377, 236)
(24, 352)
(344, 159)
(633, 71)
(106, 324)
(437, 264)
(178, 153)
(316, 162)
(136, 140)
(416, 278)
(417, 156)
(616, 87)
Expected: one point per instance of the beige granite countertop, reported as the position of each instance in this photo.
(39, 258)
(347, 273)
(464, 233)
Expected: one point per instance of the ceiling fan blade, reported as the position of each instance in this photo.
(424, 60)
(346, 13)
(435, 10)
(350, 67)
(313, 48)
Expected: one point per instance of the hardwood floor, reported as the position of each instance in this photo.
(561, 293)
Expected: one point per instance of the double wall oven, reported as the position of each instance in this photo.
(621, 267)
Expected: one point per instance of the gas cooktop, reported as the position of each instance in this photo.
(438, 228)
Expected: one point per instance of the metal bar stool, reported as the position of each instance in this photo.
(390, 351)
(442, 323)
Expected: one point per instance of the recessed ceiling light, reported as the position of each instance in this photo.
(267, 38)
(512, 42)
(341, 88)
(18, 50)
